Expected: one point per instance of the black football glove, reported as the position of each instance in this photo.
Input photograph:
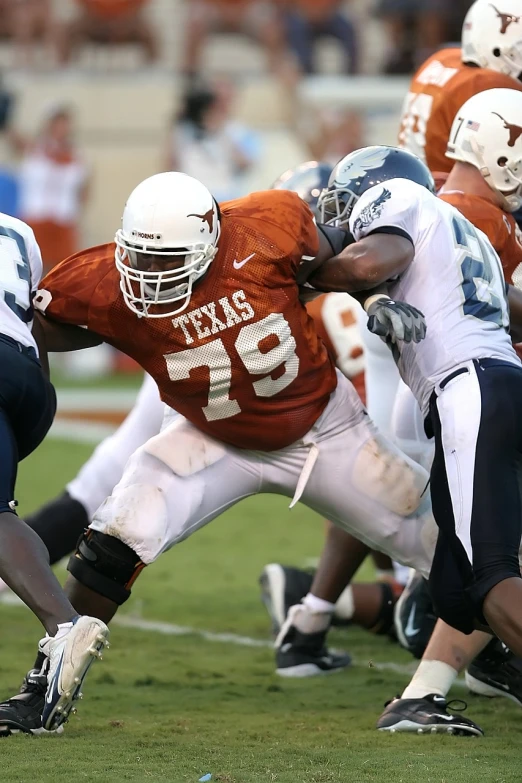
(394, 321)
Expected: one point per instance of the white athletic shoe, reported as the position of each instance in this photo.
(71, 653)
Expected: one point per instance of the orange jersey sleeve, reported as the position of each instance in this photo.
(499, 226)
(437, 91)
(79, 289)
(243, 362)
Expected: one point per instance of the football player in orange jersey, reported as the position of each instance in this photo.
(206, 299)
(62, 520)
(490, 57)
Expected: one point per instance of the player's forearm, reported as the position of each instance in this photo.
(365, 264)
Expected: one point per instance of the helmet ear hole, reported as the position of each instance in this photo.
(496, 52)
(502, 161)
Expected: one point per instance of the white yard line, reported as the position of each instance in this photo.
(88, 432)
(170, 629)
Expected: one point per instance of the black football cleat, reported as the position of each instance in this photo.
(283, 587)
(23, 713)
(496, 671)
(301, 654)
(415, 617)
(429, 715)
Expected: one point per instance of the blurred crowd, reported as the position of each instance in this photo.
(45, 179)
(287, 30)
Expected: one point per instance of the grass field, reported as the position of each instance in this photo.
(174, 708)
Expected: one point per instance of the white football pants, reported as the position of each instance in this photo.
(343, 469)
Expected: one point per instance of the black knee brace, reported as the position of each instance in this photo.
(106, 565)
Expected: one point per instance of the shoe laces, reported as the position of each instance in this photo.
(453, 705)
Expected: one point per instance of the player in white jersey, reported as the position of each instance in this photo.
(465, 375)
(27, 407)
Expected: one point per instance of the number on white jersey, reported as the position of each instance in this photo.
(415, 116)
(483, 281)
(257, 362)
(15, 274)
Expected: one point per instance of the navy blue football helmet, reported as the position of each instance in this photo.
(359, 171)
(307, 180)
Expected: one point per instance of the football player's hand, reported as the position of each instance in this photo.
(394, 321)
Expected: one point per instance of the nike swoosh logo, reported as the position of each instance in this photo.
(239, 264)
(446, 717)
(410, 630)
(50, 692)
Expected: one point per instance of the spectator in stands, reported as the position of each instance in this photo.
(416, 28)
(308, 20)
(53, 186)
(108, 22)
(257, 19)
(26, 22)
(332, 134)
(209, 145)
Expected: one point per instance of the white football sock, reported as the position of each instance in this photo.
(430, 677)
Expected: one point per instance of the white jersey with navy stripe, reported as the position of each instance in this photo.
(20, 274)
(455, 279)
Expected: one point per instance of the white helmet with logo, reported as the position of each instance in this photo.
(167, 215)
(485, 134)
(492, 36)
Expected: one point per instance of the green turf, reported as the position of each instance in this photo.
(171, 709)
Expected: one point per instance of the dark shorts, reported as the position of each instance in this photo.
(476, 417)
(27, 408)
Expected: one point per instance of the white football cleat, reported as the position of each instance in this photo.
(71, 653)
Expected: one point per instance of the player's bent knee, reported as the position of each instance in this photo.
(382, 472)
(106, 565)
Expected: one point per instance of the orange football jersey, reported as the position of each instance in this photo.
(499, 226)
(437, 91)
(243, 362)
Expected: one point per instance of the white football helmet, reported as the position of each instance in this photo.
(484, 134)
(492, 36)
(169, 214)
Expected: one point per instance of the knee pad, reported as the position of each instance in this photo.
(385, 474)
(106, 565)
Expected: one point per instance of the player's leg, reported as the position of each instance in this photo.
(27, 406)
(62, 520)
(173, 485)
(369, 605)
(341, 323)
(384, 501)
(476, 497)
(423, 707)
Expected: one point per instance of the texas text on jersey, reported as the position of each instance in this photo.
(437, 91)
(243, 362)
